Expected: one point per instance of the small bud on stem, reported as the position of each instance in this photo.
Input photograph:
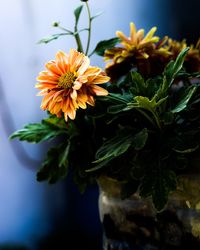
(55, 24)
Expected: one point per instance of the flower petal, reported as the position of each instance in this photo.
(62, 61)
(84, 66)
(72, 114)
(132, 32)
(45, 85)
(46, 99)
(99, 91)
(77, 85)
(150, 34)
(123, 37)
(65, 105)
(100, 79)
(47, 77)
(58, 96)
(52, 68)
(91, 101)
(73, 94)
(92, 71)
(72, 56)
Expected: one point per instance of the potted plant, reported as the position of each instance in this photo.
(133, 127)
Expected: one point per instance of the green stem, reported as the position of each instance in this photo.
(78, 40)
(62, 28)
(157, 120)
(89, 28)
(145, 115)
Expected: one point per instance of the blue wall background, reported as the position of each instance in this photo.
(36, 215)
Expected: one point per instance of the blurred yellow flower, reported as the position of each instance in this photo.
(175, 46)
(136, 44)
(69, 83)
(192, 59)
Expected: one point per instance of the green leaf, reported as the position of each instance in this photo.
(114, 147)
(172, 69)
(139, 85)
(111, 149)
(140, 139)
(55, 166)
(99, 165)
(118, 145)
(106, 44)
(148, 89)
(95, 16)
(160, 187)
(63, 157)
(179, 61)
(38, 132)
(54, 37)
(56, 122)
(164, 184)
(140, 102)
(77, 13)
(118, 98)
(114, 109)
(184, 100)
(186, 151)
(152, 87)
(145, 103)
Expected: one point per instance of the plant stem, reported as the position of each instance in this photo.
(157, 120)
(62, 28)
(89, 28)
(78, 40)
(145, 115)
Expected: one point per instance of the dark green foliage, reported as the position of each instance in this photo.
(106, 44)
(173, 68)
(158, 183)
(38, 132)
(184, 100)
(145, 133)
(55, 166)
(118, 145)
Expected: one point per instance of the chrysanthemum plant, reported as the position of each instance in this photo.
(140, 127)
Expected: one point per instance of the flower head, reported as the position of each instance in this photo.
(132, 51)
(136, 44)
(192, 59)
(69, 83)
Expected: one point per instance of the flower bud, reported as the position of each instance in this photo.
(55, 24)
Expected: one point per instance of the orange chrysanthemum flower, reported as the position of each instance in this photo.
(134, 51)
(69, 83)
(136, 44)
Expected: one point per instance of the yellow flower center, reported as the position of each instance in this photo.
(66, 80)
